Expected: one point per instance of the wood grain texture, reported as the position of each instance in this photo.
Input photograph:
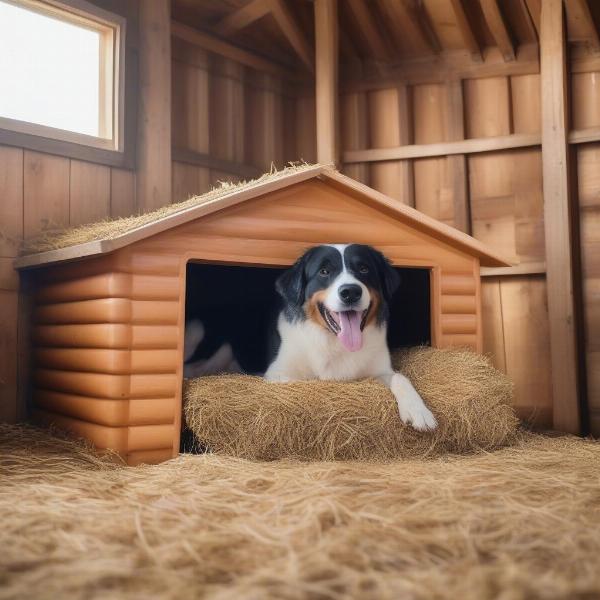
(153, 187)
(89, 193)
(557, 221)
(11, 203)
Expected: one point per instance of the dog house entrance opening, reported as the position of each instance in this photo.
(233, 312)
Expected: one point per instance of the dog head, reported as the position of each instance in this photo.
(343, 288)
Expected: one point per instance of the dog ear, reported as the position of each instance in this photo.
(291, 283)
(390, 278)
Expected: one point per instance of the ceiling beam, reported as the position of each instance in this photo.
(579, 11)
(293, 33)
(535, 10)
(527, 18)
(363, 17)
(417, 17)
(244, 16)
(466, 30)
(222, 48)
(498, 28)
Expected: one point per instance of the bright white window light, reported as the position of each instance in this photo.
(49, 71)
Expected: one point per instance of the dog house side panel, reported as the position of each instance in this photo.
(106, 348)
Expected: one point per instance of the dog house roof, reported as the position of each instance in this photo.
(108, 236)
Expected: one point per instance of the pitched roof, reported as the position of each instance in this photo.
(107, 236)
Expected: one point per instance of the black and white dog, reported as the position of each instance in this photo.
(334, 323)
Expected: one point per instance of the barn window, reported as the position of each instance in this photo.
(61, 73)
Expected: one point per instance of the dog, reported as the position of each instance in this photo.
(333, 324)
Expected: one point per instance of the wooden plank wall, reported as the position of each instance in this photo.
(229, 121)
(41, 192)
(496, 196)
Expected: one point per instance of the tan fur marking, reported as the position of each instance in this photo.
(375, 303)
(311, 308)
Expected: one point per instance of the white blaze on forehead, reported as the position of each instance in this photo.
(332, 299)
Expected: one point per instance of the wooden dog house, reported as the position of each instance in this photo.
(108, 321)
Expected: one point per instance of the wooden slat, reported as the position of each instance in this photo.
(538, 268)
(11, 202)
(154, 117)
(466, 30)
(413, 16)
(293, 33)
(355, 131)
(557, 220)
(457, 164)
(242, 17)
(122, 193)
(475, 145)
(584, 136)
(9, 301)
(45, 193)
(497, 25)
(209, 161)
(326, 81)
(89, 186)
(390, 126)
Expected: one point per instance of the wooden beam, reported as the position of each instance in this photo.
(447, 67)
(293, 33)
(371, 33)
(528, 20)
(466, 30)
(579, 12)
(535, 9)
(584, 136)
(209, 161)
(222, 48)
(153, 179)
(534, 268)
(326, 81)
(471, 146)
(242, 17)
(497, 25)
(558, 224)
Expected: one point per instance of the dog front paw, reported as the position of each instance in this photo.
(419, 417)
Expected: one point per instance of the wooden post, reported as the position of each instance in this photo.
(558, 223)
(326, 78)
(154, 111)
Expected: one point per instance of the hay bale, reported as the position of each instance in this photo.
(248, 417)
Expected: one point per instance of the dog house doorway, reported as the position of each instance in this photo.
(238, 305)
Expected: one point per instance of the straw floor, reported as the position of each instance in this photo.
(521, 522)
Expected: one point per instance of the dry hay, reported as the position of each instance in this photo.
(521, 522)
(251, 418)
(109, 229)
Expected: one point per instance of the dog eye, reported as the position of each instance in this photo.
(324, 272)
(363, 269)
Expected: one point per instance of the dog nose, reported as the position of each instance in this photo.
(350, 293)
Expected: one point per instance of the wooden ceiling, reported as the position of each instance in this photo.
(387, 31)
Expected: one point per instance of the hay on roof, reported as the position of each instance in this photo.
(113, 228)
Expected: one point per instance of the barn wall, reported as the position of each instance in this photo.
(495, 196)
(229, 121)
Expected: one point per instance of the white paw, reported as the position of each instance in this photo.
(419, 417)
(411, 406)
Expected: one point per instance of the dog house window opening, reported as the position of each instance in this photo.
(61, 72)
(238, 307)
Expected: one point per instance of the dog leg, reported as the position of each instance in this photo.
(194, 334)
(410, 405)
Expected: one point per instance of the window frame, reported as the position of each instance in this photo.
(113, 151)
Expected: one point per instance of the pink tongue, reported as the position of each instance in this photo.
(350, 334)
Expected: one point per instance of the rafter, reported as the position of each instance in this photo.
(293, 33)
(242, 17)
(466, 30)
(579, 12)
(406, 11)
(369, 28)
(527, 18)
(535, 10)
(497, 25)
